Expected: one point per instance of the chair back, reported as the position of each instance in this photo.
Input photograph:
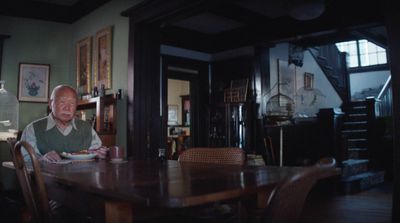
(227, 155)
(328, 162)
(286, 202)
(32, 185)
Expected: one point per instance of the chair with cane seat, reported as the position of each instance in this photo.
(32, 185)
(225, 156)
(228, 155)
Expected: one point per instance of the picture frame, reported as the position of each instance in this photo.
(33, 82)
(102, 58)
(83, 65)
(172, 114)
(308, 81)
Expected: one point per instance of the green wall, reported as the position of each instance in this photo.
(37, 41)
(105, 16)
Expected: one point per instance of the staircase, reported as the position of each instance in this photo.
(356, 173)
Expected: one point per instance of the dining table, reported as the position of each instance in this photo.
(120, 192)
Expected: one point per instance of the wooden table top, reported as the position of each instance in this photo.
(166, 184)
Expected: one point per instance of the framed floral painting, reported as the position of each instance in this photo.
(83, 65)
(33, 82)
(102, 58)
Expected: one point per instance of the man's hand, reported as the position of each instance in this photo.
(100, 152)
(51, 156)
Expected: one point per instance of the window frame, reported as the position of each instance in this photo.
(359, 67)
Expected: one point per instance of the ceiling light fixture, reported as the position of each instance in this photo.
(306, 9)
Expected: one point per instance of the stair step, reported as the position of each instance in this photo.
(354, 125)
(357, 153)
(355, 133)
(356, 117)
(362, 181)
(357, 143)
(356, 110)
(353, 166)
(356, 103)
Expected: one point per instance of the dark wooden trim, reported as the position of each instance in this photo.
(49, 11)
(157, 10)
(199, 94)
(261, 78)
(2, 38)
(144, 120)
(372, 68)
(393, 32)
(183, 38)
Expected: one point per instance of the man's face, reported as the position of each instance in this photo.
(64, 105)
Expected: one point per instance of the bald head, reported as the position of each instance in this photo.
(61, 89)
(63, 102)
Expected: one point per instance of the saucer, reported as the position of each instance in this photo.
(118, 161)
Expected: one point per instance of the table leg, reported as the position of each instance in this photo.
(118, 212)
(256, 206)
(281, 146)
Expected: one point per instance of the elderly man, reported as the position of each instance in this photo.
(60, 131)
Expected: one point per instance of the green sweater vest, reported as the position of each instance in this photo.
(78, 139)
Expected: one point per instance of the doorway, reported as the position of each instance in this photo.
(185, 103)
(179, 103)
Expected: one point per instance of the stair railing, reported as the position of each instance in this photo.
(383, 105)
(333, 64)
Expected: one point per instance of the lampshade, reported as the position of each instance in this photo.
(306, 9)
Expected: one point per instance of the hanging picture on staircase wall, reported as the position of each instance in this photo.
(308, 81)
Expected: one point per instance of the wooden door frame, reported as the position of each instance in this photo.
(199, 94)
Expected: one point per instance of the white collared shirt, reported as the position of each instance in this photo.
(29, 136)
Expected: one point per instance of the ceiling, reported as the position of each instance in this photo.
(65, 11)
(217, 25)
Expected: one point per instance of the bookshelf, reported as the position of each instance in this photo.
(105, 116)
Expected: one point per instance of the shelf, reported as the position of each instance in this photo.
(105, 107)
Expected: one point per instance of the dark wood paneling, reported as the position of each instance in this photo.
(2, 38)
(144, 121)
(262, 77)
(393, 31)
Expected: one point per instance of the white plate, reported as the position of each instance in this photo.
(78, 156)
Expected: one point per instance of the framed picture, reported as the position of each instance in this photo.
(102, 58)
(308, 81)
(172, 114)
(83, 65)
(33, 82)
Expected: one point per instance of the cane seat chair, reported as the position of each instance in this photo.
(227, 155)
(32, 185)
(286, 201)
(218, 212)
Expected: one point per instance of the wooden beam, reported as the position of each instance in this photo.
(49, 11)
(393, 31)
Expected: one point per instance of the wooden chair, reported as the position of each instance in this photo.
(286, 202)
(32, 186)
(227, 155)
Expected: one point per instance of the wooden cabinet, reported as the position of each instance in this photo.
(105, 116)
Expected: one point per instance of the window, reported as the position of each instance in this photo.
(362, 53)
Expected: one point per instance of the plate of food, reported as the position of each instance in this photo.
(80, 155)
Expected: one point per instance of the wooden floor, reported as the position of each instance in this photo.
(371, 206)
